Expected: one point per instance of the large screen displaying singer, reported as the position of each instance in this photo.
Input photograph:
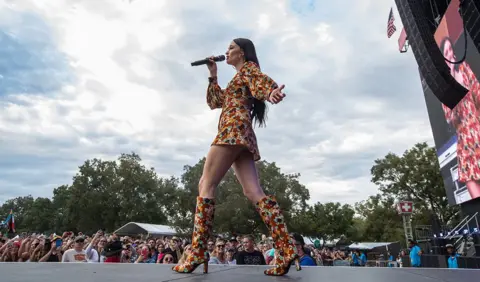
(457, 132)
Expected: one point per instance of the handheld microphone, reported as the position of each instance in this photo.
(207, 60)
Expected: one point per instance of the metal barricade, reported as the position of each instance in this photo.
(382, 263)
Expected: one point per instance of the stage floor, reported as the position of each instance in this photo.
(73, 272)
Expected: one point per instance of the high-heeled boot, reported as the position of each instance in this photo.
(286, 251)
(202, 229)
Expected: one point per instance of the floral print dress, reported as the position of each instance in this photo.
(465, 117)
(236, 101)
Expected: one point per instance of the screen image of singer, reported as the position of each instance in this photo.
(456, 132)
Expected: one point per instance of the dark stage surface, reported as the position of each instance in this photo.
(43, 272)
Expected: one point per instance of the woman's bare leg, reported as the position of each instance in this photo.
(247, 175)
(270, 212)
(218, 162)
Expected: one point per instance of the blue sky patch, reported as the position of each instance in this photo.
(302, 7)
(30, 62)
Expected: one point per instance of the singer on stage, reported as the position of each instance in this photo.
(242, 104)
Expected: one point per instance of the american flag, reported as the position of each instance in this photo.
(391, 26)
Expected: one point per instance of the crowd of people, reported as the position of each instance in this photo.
(111, 248)
(242, 250)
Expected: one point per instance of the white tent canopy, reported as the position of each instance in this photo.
(310, 241)
(134, 228)
(368, 245)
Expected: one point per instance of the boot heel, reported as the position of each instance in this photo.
(297, 264)
(205, 267)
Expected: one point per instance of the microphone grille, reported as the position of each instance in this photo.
(221, 58)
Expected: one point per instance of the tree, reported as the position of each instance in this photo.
(108, 194)
(21, 207)
(60, 202)
(104, 194)
(381, 222)
(40, 216)
(30, 214)
(415, 176)
(358, 230)
(328, 221)
(234, 213)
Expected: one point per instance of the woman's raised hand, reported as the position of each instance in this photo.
(212, 67)
(276, 96)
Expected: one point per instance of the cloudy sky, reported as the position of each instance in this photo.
(97, 78)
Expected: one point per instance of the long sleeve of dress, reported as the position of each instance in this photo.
(215, 95)
(260, 84)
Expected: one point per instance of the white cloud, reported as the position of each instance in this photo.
(351, 96)
(323, 34)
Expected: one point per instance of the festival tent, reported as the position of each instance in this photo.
(368, 245)
(135, 228)
(377, 247)
(339, 243)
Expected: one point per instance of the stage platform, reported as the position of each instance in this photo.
(80, 272)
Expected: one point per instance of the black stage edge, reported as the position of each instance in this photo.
(92, 272)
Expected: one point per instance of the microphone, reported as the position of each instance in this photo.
(207, 60)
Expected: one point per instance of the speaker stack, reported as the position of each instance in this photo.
(430, 60)
(476, 243)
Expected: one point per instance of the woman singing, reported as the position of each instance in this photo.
(465, 118)
(242, 103)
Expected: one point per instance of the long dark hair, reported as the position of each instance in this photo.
(444, 41)
(259, 109)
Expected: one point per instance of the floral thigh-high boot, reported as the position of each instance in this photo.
(286, 252)
(202, 230)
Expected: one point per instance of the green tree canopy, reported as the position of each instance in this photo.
(381, 222)
(104, 194)
(234, 213)
(414, 176)
(30, 214)
(109, 193)
(328, 221)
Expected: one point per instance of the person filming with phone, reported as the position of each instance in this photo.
(53, 250)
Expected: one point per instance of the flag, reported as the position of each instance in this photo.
(402, 41)
(391, 25)
(10, 222)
